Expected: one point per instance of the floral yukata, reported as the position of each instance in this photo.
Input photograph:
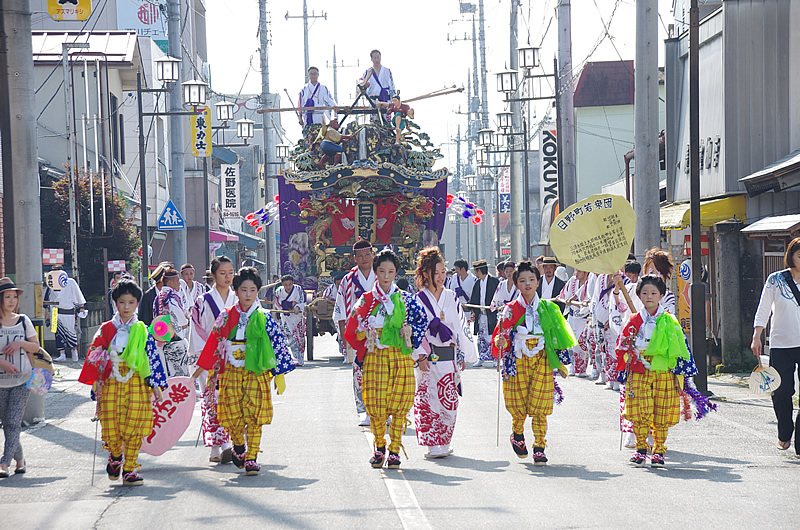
(652, 353)
(294, 326)
(248, 350)
(374, 330)
(536, 336)
(123, 365)
(447, 342)
(205, 312)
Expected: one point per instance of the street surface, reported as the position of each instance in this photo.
(722, 472)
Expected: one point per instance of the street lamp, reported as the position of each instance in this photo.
(499, 139)
(469, 180)
(194, 93)
(528, 57)
(224, 111)
(168, 69)
(483, 159)
(507, 81)
(486, 137)
(282, 151)
(504, 120)
(244, 129)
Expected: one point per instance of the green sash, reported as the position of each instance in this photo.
(390, 336)
(557, 334)
(259, 356)
(667, 344)
(134, 354)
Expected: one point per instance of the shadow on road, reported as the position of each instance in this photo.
(26, 481)
(421, 475)
(462, 462)
(570, 471)
(148, 492)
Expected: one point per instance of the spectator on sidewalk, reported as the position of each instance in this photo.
(20, 339)
(780, 299)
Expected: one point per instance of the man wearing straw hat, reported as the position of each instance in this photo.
(485, 319)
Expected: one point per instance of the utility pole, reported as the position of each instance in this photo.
(516, 190)
(178, 185)
(645, 129)
(567, 140)
(335, 74)
(698, 306)
(24, 164)
(266, 130)
(305, 16)
(458, 188)
(482, 42)
(72, 170)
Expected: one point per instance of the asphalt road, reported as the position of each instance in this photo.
(722, 472)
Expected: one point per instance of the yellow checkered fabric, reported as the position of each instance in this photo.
(126, 416)
(653, 400)
(388, 387)
(245, 404)
(530, 393)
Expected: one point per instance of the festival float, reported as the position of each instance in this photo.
(370, 175)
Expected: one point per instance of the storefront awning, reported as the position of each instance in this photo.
(778, 226)
(784, 173)
(213, 235)
(677, 216)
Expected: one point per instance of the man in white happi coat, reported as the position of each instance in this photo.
(315, 94)
(291, 297)
(70, 304)
(463, 281)
(506, 292)
(356, 282)
(378, 79)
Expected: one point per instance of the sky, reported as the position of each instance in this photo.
(421, 41)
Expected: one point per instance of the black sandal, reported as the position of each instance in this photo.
(20, 470)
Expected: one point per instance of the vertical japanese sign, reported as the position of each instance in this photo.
(230, 191)
(504, 188)
(548, 180)
(201, 133)
(143, 17)
(365, 221)
(63, 10)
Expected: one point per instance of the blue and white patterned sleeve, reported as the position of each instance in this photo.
(685, 367)
(417, 318)
(279, 345)
(158, 377)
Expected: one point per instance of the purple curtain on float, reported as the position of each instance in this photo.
(295, 246)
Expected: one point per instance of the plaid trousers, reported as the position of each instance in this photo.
(652, 399)
(530, 393)
(126, 416)
(245, 404)
(388, 386)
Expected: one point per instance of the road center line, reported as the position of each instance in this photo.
(405, 502)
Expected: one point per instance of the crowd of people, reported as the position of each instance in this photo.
(408, 348)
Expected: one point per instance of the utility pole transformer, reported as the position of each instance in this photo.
(567, 140)
(645, 129)
(178, 184)
(24, 164)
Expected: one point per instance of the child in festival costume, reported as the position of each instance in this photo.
(123, 365)
(652, 351)
(204, 314)
(529, 341)
(441, 359)
(385, 326)
(248, 349)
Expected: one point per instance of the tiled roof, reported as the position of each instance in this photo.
(605, 83)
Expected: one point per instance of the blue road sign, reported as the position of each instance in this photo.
(171, 218)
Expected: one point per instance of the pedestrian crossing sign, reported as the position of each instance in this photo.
(171, 218)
